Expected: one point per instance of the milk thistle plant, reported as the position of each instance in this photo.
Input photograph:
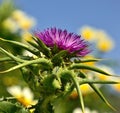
(53, 71)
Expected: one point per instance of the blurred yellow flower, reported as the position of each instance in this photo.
(104, 42)
(105, 45)
(116, 87)
(26, 23)
(24, 96)
(27, 36)
(88, 33)
(10, 25)
(17, 15)
(89, 57)
(101, 34)
(18, 20)
(85, 89)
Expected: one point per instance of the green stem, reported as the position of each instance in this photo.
(79, 92)
(5, 59)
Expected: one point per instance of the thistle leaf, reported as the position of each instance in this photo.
(101, 96)
(76, 83)
(42, 47)
(33, 44)
(99, 93)
(84, 81)
(29, 77)
(20, 45)
(79, 92)
(92, 68)
(45, 64)
(8, 107)
(11, 56)
(57, 58)
(86, 60)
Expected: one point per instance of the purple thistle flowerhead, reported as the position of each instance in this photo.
(63, 40)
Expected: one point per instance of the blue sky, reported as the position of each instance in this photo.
(73, 14)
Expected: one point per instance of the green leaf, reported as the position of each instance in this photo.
(87, 60)
(60, 103)
(45, 64)
(65, 75)
(101, 96)
(92, 68)
(8, 107)
(23, 110)
(5, 59)
(11, 56)
(33, 44)
(24, 46)
(48, 84)
(57, 58)
(70, 74)
(99, 93)
(79, 92)
(29, 77)
(84, 81)
(42, 47)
